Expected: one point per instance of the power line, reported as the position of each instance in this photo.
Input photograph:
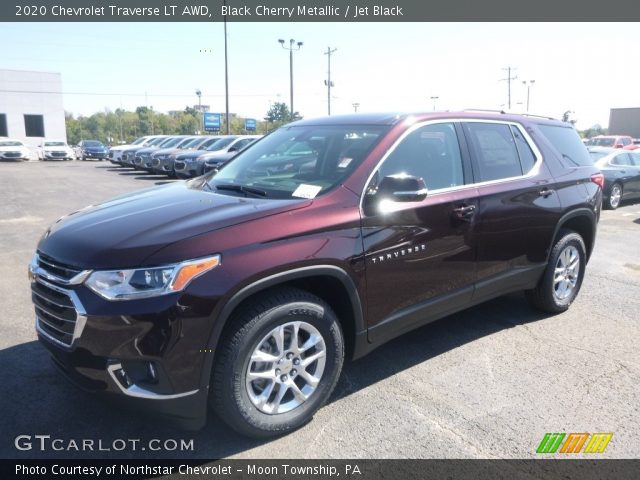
(135, 94)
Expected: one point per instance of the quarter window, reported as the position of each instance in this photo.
(527, 158)
(432, 153)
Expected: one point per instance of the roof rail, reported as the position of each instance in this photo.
(546, 117)
(483, 110)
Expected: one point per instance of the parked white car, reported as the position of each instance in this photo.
(115, 153)
(11, 149)
(56, 150)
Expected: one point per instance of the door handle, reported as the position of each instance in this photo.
(545, 192)
(464, 211)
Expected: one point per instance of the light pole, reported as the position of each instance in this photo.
(355, 106)
(433, 99)
(328, 82)
(199, 94)
(292, 47)
(528, 84)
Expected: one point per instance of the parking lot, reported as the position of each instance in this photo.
(488, 382)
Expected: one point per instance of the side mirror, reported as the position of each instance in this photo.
(232, 149)
(402, 188)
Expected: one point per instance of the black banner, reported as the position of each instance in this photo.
(315, 10)
(325, 469)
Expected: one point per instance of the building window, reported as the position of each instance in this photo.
(3, 125)
(34, 125)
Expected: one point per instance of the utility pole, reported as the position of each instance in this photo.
(226, 76)
(328, 82)
(508, 80)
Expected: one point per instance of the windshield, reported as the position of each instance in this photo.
(297, 162)
(603, 142)
(191, 142)
(220, 144)
(171, 142)
(10, 143)
(93, 143)
(55, 144)
(156, 141)
(139, 141)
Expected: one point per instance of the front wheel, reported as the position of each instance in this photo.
(278, 363)
(562, 278)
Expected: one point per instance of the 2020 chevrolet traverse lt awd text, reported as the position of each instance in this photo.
(245, 290)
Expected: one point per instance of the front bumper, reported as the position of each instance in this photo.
(148, 354)
(13, 156)
(57, 156)
(98, 155)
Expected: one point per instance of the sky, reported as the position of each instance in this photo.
(586, 68)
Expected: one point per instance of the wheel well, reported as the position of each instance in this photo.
(328, 288)
(582, 225)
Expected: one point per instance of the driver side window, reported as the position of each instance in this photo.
(432, 153)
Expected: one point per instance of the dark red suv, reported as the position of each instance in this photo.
(245, 289)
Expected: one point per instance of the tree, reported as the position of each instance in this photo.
(566, 117)
(279, 114)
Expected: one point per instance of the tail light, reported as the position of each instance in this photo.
(598, 179)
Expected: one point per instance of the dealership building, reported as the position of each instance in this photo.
(31, 106)
(624, 121)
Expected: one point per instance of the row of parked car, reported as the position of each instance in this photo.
(181, 156)
(14, 149)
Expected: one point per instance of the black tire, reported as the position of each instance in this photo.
(545, 297)
(229, 395)
(612, 205)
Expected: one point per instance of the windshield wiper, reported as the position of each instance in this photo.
(242, 189)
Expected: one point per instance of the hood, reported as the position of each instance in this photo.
(123, 147)
(150, 149)
(126, 230)
(57, 148)
(17, 148)
(168, 151)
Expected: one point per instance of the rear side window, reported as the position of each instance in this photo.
(527, 158)
(567, 141)
(494, 150)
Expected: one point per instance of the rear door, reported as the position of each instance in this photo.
(518, 206)
(420, 255)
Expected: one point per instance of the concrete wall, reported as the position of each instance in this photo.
(37, 93)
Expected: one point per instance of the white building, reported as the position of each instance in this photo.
(31, 106)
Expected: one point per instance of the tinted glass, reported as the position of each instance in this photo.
(220, 144)
(626, 141)
(34, 125)
(495, 151)
(595, 156)
(568, 144)
(297, 162)
(603, 141)
(92, 143)
(139, 141)
(10, 143)
(622, 159)
(54, 144)
(3, 125)
(432, 153)
(635, 158)
(527, 159)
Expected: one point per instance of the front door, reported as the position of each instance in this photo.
(420, 255)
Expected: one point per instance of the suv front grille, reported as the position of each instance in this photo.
(60, 317)
(64, 272)
(180, 165)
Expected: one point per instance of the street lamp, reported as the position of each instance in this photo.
(433, 99)
(293, 46)
(199, 94)
(528, 84)
(355, 106)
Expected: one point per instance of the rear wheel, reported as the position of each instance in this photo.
(615, 197)
(562, 278)
(279, 362)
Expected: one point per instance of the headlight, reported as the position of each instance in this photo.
(148, 282)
